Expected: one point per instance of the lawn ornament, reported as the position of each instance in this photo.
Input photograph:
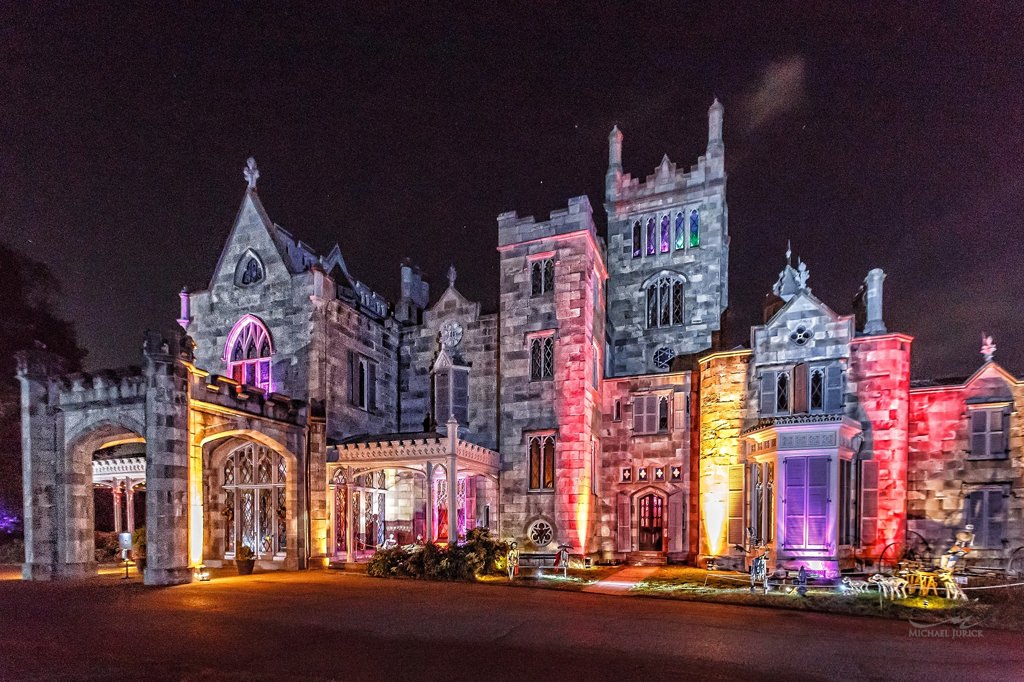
(949, 584)
(512, 560)
(855, 586)
(759, 571)
(962, 546)
(562, 560)
(890, 586)
(801, 581)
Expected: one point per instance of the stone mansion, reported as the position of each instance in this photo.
(300, 413)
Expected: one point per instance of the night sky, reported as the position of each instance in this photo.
(871, 138)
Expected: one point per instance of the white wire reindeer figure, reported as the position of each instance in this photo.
(759, 563)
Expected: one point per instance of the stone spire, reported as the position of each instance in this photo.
(251, 173)
(716, 113)
(614, 175)
(988, 346)
(451, 275)
(791, 280)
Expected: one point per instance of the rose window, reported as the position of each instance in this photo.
(801, 335)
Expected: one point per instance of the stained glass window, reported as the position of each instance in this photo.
(666, 236)
(637, 240)
(680, 232)
(694, 228)
(542, 462)
(249, 357)
(652, 238)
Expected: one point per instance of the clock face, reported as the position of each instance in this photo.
(451, 334)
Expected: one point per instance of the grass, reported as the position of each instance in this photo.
(987, 607)
(552, 578)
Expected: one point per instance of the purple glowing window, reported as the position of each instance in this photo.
(666, 235)
(652, 243)
(248, 353)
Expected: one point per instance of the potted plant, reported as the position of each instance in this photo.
(245, 560)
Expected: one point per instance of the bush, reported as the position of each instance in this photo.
(480, 555)
(107, 549)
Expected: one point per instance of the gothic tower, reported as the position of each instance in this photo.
(668, 256)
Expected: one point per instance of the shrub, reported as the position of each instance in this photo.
(481, 554)
(244, 553)
(107, 549)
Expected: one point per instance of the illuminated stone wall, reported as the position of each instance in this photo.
(879, 377)
(942, 473)
(624, 450)
(568, 403)
(723, 404)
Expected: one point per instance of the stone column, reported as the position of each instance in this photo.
(453, 481)
(129, 496)
(167, 464)
(350, 523)
(431, 502)
(115, 491)
(40, 451)
(875, 323)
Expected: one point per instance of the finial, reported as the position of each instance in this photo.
(451, 275)
(251, 173)
(789, 253)
(988, 347)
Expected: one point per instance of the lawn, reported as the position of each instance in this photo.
(1000, 608)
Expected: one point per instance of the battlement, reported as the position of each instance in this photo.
(668, 177)
(107, 386)
(576, 217)
(228, 393)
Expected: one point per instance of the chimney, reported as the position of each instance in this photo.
(611, 184)
(873, 299)
(414, 294)
(186, 309)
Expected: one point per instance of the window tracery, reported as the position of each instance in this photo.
(664, 302)
(255, 510)
(249, 351)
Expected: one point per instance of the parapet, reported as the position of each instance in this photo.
(576, 217)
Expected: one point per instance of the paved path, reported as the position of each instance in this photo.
(325, 625)
(621, 582)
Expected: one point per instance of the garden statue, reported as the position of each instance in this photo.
(390, 543)
(512, 560)
(562, 560)
(801, 581)
(961, 547)
(759, 571)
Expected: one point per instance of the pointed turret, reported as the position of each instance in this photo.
(716, 114)
(614, 164)
(791, 280)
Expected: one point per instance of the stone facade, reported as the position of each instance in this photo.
(594, 408)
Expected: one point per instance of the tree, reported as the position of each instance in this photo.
(27, 321)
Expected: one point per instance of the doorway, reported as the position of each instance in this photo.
(652, 529)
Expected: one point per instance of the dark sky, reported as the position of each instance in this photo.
(871, 138)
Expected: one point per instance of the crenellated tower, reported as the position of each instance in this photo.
(668, 256)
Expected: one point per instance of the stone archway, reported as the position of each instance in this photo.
(222, 498)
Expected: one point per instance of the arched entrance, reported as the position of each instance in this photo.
(651, 523)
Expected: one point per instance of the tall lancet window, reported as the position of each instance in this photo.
(248, 353)
(694, 228)
(638, 242)
(680, 232)
(666, 235)
(652, 238)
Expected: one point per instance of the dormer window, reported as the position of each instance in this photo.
(248, 353)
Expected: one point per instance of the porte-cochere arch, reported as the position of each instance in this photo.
(187, 419)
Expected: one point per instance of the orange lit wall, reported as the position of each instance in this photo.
(723, 393)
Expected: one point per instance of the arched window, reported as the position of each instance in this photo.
(666, 237)
(542, 462)
(638, 244)
(249, 269)
(652, 238)
(248, 353)
(542, 276)
(782, 393)
(680, 232)
(817, 389)
(664, 302)
(254, 501)
(694, 228)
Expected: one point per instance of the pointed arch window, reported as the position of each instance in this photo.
(248, 353)
(652, 238)
(254, 481)
(666, 237)
(638, 242)
(542, 461)
(664, 302)
(680, 232)
(694, 228)
(542, 276)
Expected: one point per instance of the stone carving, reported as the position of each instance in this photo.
(988, 347)
(251, 173)
(451, 275)
(451, 334)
